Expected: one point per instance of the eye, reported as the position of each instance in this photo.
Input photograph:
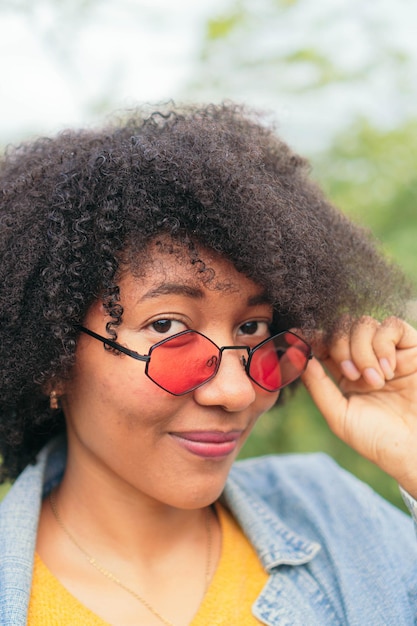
(162, 326)
(254, 328)
(167, 326)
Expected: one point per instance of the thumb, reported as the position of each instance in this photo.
(327, 396)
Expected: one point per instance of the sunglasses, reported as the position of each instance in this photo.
(185, 361)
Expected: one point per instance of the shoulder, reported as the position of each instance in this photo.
(318, 500)
(306, 510)
(269, 474)
(306, 489)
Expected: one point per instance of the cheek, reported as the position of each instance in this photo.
(108, 388)
(132, 397)
(266, 400)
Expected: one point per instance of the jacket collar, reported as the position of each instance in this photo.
(18, 528)
(275, 543)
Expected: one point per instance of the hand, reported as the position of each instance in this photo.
(370, 400)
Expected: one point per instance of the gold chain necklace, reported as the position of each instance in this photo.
(105, 572)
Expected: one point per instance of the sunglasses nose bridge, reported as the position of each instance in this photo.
(243, 359)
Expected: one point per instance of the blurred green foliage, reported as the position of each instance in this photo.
(3, 490)
(371, 174)
(269, 52)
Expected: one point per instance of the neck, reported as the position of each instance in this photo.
(155, 577)
(104, 514)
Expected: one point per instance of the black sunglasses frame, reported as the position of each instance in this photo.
(245, 362)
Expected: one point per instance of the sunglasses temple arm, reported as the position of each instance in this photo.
(115, 345)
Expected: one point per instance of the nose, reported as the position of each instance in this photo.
(231, 388)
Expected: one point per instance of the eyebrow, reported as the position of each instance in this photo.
(177, 289)
(180, 289)
(260, 298)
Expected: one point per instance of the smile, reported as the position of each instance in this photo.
(208, 444)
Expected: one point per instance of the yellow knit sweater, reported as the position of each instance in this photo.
(237, 582)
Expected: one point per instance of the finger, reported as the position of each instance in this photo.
(376, 356)
(352, 352)
(407, 335)
(362, 352)
(339, 358)
(371, 353)
(370, 349)
(406, 350)
(328, 398)
(386, 340)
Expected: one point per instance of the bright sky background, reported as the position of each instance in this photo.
(54, 75)
(69, 62)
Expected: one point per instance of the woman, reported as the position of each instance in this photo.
(162, 282)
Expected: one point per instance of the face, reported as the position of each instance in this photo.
(130, 434)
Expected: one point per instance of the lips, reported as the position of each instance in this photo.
(208, 444)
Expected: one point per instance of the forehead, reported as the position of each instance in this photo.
(166, 264)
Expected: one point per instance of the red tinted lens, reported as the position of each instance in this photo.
(264, 367)
(183, 362)
(279, 361)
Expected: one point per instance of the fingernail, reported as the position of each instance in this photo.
(373, 377)
(349, 370)
(386, 368)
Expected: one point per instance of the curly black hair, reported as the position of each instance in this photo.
(74, 207)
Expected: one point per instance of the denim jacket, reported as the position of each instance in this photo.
(336, 553)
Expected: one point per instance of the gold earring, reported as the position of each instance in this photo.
(53, 400)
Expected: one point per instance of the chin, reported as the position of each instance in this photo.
(198, 498)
